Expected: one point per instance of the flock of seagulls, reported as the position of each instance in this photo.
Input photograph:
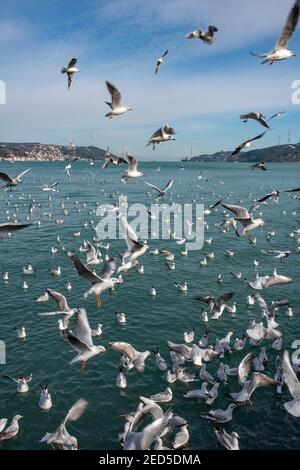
(212, 371)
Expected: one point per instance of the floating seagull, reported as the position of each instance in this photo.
(162, 397)
(60, 436)
(50, 188)
(163, 134)
(70, 70)
(10, 182)
(160, 61)
(229, 441)
(12, 430)
(247, 143)
(161, 192)
(45, 402)
(280, 51)
(259, 117)
(82, 340)
(116, 104)
(9, 228)
(207, 38)
(220, 416)
(132, 171)
(22, 382)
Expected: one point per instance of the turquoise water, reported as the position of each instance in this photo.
(150, 322)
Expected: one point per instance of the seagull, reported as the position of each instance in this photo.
(12, 430)
(276, 194)
(200, 393)
(162, 397)
(70, 70)
(60, 436)
(51, 188)
(22, 382)
(144, 439)
(45, 402)
(161, 192)
(247, 143)
(160, 61)
(116, 161)
(206, 37)
(8, 228)
(92, 255)
(10, 182)
(116, 104)
(259, 117)
(82, 340)
(136, 357)
(181, 438)
(163, 134)
(63, 307)
(135, 248)
(99, 283)
(291, 380)
(259, 166)
(257, 380)
(246, 220)
(132, 171)
(229, 441)
(281, 51)
(159, 361)
(220, 416)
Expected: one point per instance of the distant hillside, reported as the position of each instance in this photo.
(47, 152)
(279, 153)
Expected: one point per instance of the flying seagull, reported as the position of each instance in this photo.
(60, 436)
(132, 171)
(70, 70)
(160, 61)
(259, 117)
(135, 248)
(82, 340)
(9, 227)
(246, 220)
(10, 182)
(163, 134)
(161, 192)
(246, 144)
(259, 166)
(281, 51)
(116, 102)
(207, 38)
(276, 194)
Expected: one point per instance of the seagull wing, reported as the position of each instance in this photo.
(23, 173)
(165, 53)
(240, 212)
(168, 129)
(154, 187)
(128, 233)
(109, 269)
(5, 177)
(151, 432)
(76, 411)
(124, 348)
(133, 163)
(277, 115)
(290, 377)
(76, 343)
(4, 228)
(84, 272)
(115, 95)
(59, 299)
(72, 63)
(106, 163)
(289, 27)
(244, 367)
(168, 186)
(83, 329)
(291, 190)
(259, 380)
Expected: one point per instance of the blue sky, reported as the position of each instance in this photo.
(200, 90)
